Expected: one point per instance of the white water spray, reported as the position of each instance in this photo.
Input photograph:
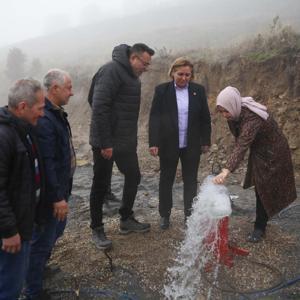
(197, 250)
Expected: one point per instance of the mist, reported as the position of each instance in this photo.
(74, 33)
(20, 20)
(51, 28)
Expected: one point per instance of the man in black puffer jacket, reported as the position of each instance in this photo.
(115, 97)
(21, 184)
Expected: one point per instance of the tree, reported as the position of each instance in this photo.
(15, 64)
(276, 25)
(36, 68)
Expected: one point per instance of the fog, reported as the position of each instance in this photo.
(48, 29)
(80, 34)
(21, 20)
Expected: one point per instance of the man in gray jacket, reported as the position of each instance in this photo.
(115, 96)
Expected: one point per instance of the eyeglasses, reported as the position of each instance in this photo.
(180, 74)
(145, 63)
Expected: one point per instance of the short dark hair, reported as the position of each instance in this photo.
(140, 48)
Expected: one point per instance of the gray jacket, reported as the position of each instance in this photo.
(115, 104)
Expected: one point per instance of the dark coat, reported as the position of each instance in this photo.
(115, 104)
(270, 166)
(18, 202)
(54, 133)
(163, 122)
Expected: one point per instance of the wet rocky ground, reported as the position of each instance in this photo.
(136, 265)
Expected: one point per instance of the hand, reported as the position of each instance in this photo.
(220, 179)
(12, 244)
(205, 148)
(107, 153)
(153, 151)
(60, 210)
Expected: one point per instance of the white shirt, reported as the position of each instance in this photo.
(182, 97)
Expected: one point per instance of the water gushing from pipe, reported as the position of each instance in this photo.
(197, 249)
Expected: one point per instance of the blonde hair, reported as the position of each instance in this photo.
(181, 62)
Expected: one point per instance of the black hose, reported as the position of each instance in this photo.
(248, 293)
(92, 292)
(281, 214)
(111, 266)
(274, 290)
(254, 294)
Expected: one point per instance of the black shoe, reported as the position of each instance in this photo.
(185, 226)
(43, 295)
(51, 271)
(100, 240)
(185, 219)
(110, 197)
(256, 236)
(164, 223)
(132, 225)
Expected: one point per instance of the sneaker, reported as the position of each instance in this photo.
(164, 223)
(99, 239)
(256, 236)
(132, 225)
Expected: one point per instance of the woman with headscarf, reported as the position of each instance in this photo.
(179, 128)
(270, 167)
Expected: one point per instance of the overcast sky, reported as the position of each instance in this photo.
(23, 19)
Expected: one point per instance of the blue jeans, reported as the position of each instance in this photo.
(43, 241)
(13, 268)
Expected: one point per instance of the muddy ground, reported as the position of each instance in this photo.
(135, 267)
(140, 261)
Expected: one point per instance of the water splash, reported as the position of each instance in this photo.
(197, 250)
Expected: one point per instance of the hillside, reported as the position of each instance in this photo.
(271, 77)
(139, 262)
(189, 24)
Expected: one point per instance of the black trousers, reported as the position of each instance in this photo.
(127, 164)
(190, 164)
(261, 214)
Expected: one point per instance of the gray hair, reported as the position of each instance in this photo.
(55, 76)
(23, 90)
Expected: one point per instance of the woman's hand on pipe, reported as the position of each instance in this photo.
(220, 179)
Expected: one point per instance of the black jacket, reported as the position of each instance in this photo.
(115, 104)
(163, 122)
(54, 134)
(18, 209)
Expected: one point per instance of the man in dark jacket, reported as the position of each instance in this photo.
(54, 139)
(113, 134)
(20, 183)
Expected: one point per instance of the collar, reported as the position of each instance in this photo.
(17, 121)
(181, 88)
(56, 108)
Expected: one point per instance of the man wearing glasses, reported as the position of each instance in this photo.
(115, 96)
